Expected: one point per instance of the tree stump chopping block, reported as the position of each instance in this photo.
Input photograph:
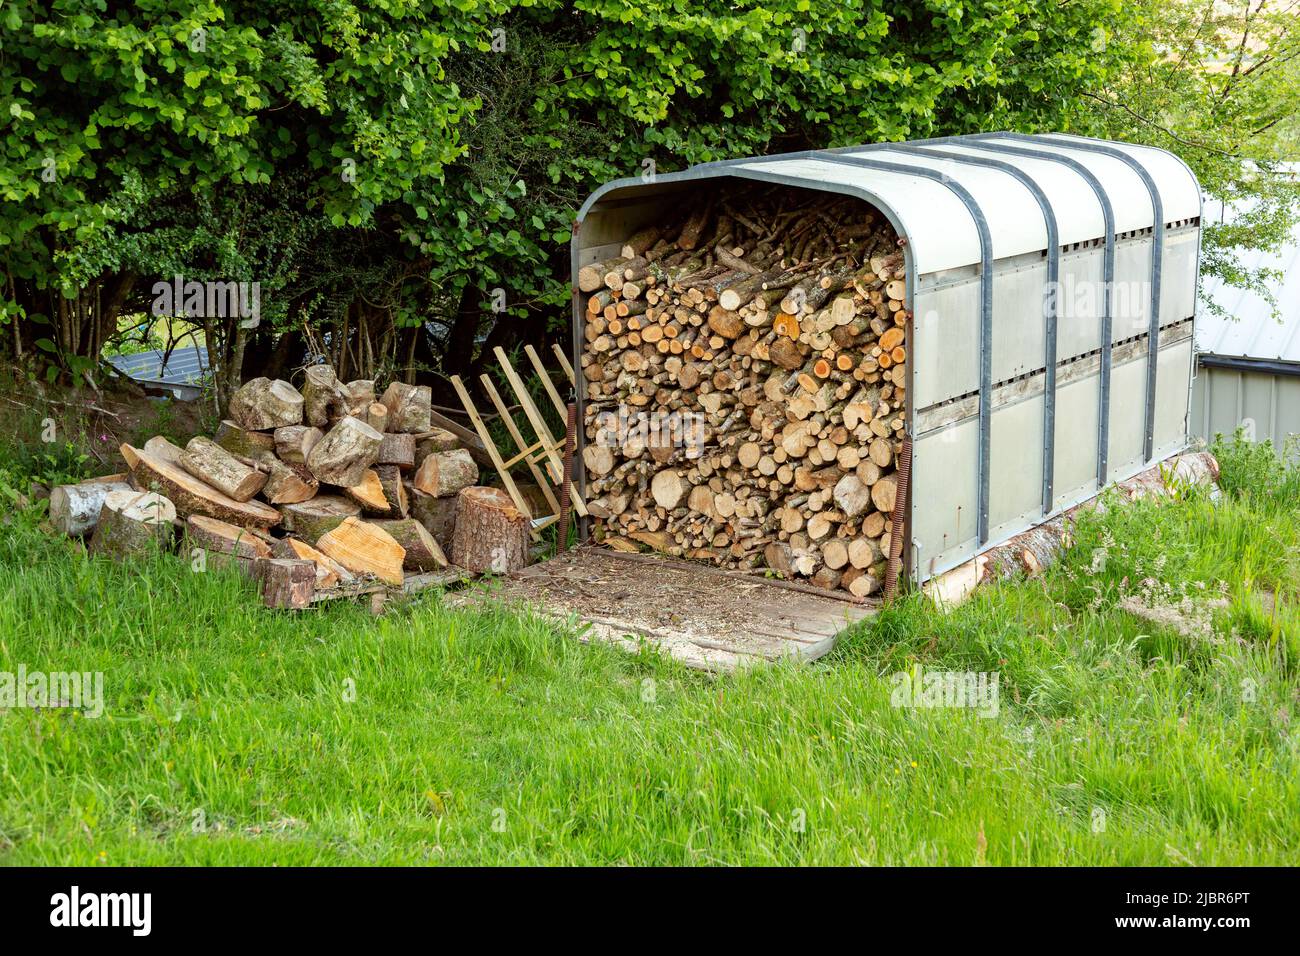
(491, 534)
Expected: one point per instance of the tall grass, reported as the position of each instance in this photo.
(237, 735)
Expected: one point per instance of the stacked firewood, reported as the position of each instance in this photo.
(745, 372)
(358, 486)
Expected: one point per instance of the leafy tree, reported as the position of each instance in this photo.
(1219, 84)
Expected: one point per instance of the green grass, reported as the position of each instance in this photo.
(232, 736)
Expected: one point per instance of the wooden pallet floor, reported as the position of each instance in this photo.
(705, 617)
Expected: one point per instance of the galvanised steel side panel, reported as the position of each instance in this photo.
(1077, 408)
(946, 318)
(1128, 400)
(1178, 290)
(1131, 296)
(1079, 306)
(943, 534)
(1172, 393)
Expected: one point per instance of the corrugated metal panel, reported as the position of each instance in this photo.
(1251, 331)
(185, 366)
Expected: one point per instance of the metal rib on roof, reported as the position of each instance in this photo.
(940, 229)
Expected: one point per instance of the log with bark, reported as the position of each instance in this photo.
(151, 471)
(423, 553)
(409, 407)
(445, 473)
(438, 515)
(262, 404)
(343, 456)
(209, 462)
(311, 519)
(287, 582)
(74, 509)
(132, 523)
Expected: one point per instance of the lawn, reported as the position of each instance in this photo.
(236, 735)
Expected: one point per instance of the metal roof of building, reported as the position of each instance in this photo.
(1251, 331)
(185, 366)
(950, 195)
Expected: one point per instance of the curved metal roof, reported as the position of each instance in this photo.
(938, 203)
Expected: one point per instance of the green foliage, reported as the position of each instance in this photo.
(1218, 84)
(389, 153)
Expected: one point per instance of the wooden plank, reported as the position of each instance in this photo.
(564, 364)
(507, 419)
(411, 584)
(560, 405)
(539, 426)
(490, 447)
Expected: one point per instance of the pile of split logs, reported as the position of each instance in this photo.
(306, 489)
(745, 370)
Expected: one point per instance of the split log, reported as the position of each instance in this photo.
(364, 548)
(212, 534)
(369, 494)
(74, 509)
(287, 484)
(151, 471)
(398, 449)
(436, 439)
(209, 462)
(329, 573)
(445, 473)
(491, 534)
(409, 407)
(321, 394)
(286, 583)
(342, 456)
(390, 480)
(294, 443)
(438, 515)
(360, 392)
(423, 553)
(376, 416)
(262, 404)
(132, 522)
(240, 441)
(311, 519)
